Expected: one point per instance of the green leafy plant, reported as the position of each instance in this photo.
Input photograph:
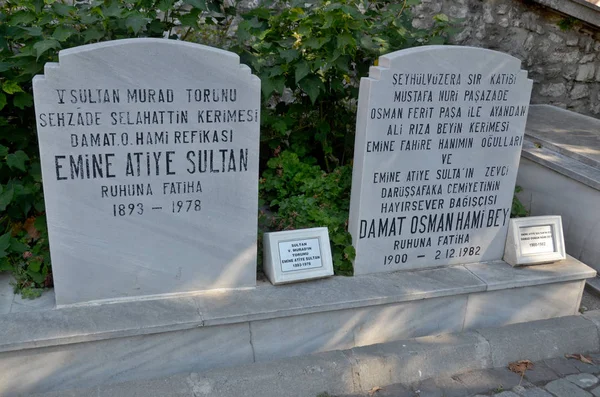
(306, 196)
(31, 34)
(310, 57)
(567, 23)
(518, 210)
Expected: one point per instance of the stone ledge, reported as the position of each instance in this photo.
(69, 325)
(580, 9)
(359, 369)
(565, 142)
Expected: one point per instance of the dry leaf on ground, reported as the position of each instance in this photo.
(520, 367)
(375, 390)
(580, 357)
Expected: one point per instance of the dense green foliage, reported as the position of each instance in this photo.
(309, 57)
(31, 34)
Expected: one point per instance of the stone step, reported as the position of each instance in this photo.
(86, 346)
(461, 364)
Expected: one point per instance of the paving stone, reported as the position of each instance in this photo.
(561, 366)
(506, 394)
(489, 380)
(540, 373)
(564, 388)
(587, 368)
(395, 390)
(533, 392)
(444, 386)
(596, 392)
(582, 380)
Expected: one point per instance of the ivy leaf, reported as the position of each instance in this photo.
(92, 34)
(190, 19)
(22, 18)
(312, 85)
(11, 87)
(165, 5)
(6, 197)
(2, 100)
(35, 266)
(17, 246)
(23, 100)
(302, 70)
(113, 10)
(4, 66)
(441, 18)
(200, 4)
(289, 55)
(62, 33)
(64, 10)
(136, 22)
(345, 39)
(35, 275)
(4, 242)
(17, 160)
(436, 40)
(42, 46)
(33, 31)
(3, 152)
(272, 84)
(4, 263)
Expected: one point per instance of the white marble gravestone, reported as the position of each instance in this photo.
(438, 140)
(149, 152)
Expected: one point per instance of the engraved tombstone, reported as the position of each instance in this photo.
(438, 141)
(149, 152)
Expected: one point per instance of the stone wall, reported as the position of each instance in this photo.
(563, 62)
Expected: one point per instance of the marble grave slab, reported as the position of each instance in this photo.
(149, 152)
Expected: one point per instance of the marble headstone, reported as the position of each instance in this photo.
(438, 141)
(149, 152)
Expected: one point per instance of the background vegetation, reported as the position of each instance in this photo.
(310, 58)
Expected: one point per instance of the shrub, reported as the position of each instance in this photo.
(310, 58)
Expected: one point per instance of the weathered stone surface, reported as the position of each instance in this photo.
(491, 379)
(546, 46)
(167, 210)
(409, 143)
(580, 91)
(562, 387)
(553, 89)
(540, 373)
(585, 72)
(533, 392)
(561, 366)
(582, 380)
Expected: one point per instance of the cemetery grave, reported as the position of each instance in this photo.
(142, 280)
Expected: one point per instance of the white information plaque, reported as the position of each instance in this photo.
(297, 255)
(300, 254)
(534, 240)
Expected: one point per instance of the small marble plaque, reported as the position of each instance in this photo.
(149, 152)
(438, 140)
(297, 255)
(534, 240)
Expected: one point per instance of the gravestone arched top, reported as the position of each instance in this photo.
(454, 57)
(130, 57)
